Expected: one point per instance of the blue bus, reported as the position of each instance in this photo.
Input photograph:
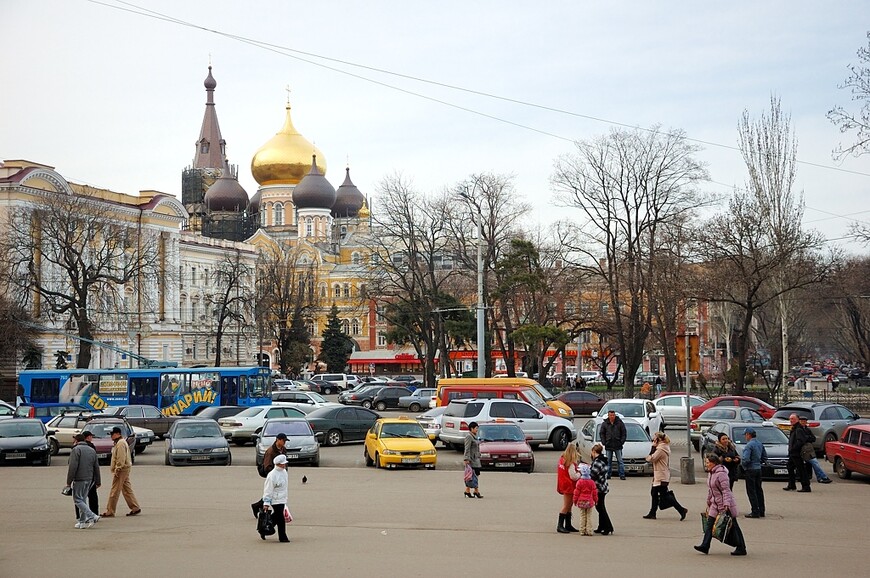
(175, 390)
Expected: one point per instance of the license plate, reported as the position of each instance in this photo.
(410, 460)
(199, 458)
(145, 440)
(292, 456)
(780, 472)
(102, 456)
(16, 456)
(505, 464)
(634, 468)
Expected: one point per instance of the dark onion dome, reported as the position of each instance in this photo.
(254, 205)
(226, 194)
(210, 83)
(348, 199)
(314, 191)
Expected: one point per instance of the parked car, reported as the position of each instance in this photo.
(591, 377)
(309, 385)
(634, 452)
(703, 422)
(216, 412)
(331, 382)
(642, 377)
(244, 425)
(582, 402)
(672, 407)
(362, 396)
(7, 411)
(774, 441)
(542, 428)
(302, 446)
(419, 399)
(45, 411)
(24, 441)
(826, 420)
(197, 441)
(394, 442)
(340, 424)
(102, 428)
(851, 453)
(762, 407)
(284, 385)
(65, 427)
(145, 416)
(388, 397)
(431, 422)
(300, 399)
(643, 411)
(504, 446)
(409, 381)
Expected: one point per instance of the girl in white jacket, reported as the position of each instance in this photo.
(275, 496)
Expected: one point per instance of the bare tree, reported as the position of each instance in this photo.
(233, 302)
(287, 301)
(851, 291)
(627, 184)
(858, 83)
(70, 252)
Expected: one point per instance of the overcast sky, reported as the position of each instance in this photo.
(116, 99)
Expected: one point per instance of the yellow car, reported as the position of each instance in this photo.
(394, 442)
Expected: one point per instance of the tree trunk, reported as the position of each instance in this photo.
(84, 325)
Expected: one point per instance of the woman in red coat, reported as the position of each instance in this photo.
(567, 475)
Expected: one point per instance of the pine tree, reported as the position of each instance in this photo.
(336, 347)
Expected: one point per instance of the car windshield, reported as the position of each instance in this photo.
(402, 430)
(501, 433)
(251, 412)
(719, 413)
(543, 391)
(291, 428)
(17, 429)
(316, 397)
(785, 412)
(766, 435)
(626, 409)
(635, 433)
(205, 430)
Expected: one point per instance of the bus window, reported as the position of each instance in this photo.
(205, 380)
(44, 390)
(78, 388)
(243, 387)
(257, 386)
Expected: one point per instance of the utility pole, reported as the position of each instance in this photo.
(481, 347)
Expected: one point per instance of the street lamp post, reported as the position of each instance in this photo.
(481, 364)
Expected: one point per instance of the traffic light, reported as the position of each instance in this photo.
(694, 354)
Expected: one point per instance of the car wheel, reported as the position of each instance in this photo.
(561, 439)
(381, 406)
(47, 460)
(829, 437)
(166, 460)
(229, 460)
(327, 391)
(842, 471)
(333, 437)
(378, 461)
(369, 461)
(415, 407)
(367, 404)
(532, 468)
(140, 449)
(55, 447)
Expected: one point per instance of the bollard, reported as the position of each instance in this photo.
(687, 470)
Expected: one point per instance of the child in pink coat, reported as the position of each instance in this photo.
(585, 498)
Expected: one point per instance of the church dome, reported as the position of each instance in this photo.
(348, 199)
(254, 205)
(226, 194)
(314, 191)
(284, 159)
(210, 83)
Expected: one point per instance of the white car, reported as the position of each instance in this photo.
(6, 410)
(431, 421)
(304, 400)
(643, 411)
(243, 426)
(634, 452)
(672, 407)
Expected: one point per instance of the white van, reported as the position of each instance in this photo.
(331, 382)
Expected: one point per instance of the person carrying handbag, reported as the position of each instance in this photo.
(720, 500)
(660, 457)
(275, 497)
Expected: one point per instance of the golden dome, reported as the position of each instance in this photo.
(286, 157)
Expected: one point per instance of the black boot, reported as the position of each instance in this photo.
(568, 525)
(561, 527)
(654, 505)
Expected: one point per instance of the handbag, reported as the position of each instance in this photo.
(469, 472)
(808, 452)
(265, 525)
(706, 522)
(66, 491)
(288, 517)
(667, 500)
(257, 507)
(722, 526)
(731, 536)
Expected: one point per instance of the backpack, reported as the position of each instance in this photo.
(261, 469)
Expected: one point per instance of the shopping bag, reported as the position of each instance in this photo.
(808, 452)
(667, 500)
(265, 526)
(288, 517)
(731, 536)
(257, 507)
(469, 473)
(706, 522)
(722, 526)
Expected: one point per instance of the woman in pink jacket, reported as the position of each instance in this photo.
(662, 497)
(720, 499)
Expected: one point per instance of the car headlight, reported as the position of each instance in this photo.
(309, 448)
(391, 453)
(178, 451)
(40, 447)
(562, 411)
(220, 450)
(485, 455)
(524, 455)
(432, 453)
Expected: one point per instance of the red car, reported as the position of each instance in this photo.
(582, 402)
(852, 452)
(101, 427)
(504, 446)
(765, 409)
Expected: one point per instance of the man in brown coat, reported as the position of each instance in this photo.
(120, 466)
(276, 449)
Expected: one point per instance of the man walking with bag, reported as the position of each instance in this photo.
(83, 472)
(121, 465)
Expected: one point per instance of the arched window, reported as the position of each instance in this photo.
(355, 258)
(203, 147)
(323, 289)
(354, 326)
(336, 290)
(309, 227)
(346, 290)
(311, 327)
(345, 326)
(362, 290)
(278, 214)
(183, 312)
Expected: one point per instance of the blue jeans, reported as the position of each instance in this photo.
(817, 468)
(80, 490)
(619, 462)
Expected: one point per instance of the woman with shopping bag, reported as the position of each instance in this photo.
(275, 498)
(720, 505)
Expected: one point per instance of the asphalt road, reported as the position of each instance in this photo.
(350, 520)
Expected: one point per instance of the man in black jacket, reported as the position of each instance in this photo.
(612, 435)
(800, 434)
